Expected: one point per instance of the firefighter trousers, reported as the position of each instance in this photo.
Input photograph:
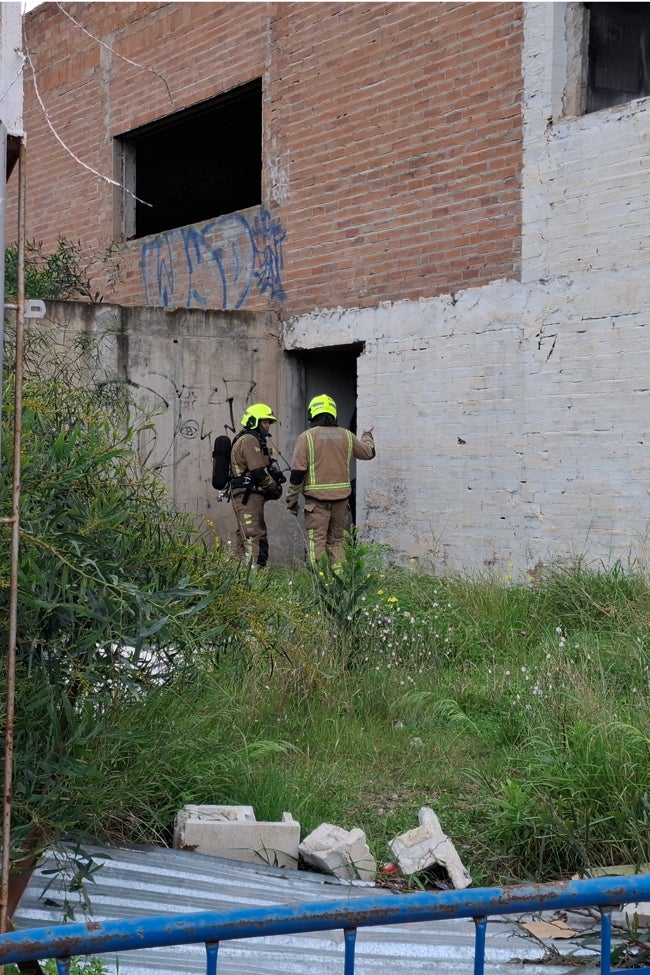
(325, 524)
(252, 540)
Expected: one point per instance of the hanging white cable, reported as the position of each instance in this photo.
(95, 172)
(98, 40)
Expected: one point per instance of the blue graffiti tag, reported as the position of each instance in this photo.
(223, 261)
(158, 253)
(268, 236)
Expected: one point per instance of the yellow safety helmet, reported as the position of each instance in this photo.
(255, 413)
(321, 404)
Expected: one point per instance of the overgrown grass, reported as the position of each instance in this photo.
(519, 713)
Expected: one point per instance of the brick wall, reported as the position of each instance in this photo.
(400, 127)
(391, 134)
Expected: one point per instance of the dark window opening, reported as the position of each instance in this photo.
(619, 53)
(194, 165)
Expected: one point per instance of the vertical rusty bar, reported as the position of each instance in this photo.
(350, 939)
(480, 924)
(15, 534)
(212, 951)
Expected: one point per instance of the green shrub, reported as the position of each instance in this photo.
(64, 274)
(117, 595)
(83, 965)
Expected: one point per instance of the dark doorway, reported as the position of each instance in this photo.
(333, 370)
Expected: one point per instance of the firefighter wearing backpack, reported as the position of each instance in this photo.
(320, 471)
(255, 479)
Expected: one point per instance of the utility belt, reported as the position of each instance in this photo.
(244, 481)
(246, 484)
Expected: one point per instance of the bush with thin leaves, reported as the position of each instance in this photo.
(117, 595)
(65, 273)
(341, 594)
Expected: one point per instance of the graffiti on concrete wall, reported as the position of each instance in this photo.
(186, 414)
(218, 264)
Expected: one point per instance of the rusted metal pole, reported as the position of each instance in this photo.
(15, 537)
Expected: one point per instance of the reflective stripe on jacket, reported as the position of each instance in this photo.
(325, 453)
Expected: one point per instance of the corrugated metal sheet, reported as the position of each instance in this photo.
(152, 881)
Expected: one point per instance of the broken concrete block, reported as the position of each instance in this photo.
(219, 813)
(341, 852)
(234, 833)
(426, 846)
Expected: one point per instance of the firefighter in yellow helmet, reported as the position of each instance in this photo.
(320, 471)
(255, 479)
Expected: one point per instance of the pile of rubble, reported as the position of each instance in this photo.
(234, 833)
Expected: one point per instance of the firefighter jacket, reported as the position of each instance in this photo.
(250, 458)
(324, 454)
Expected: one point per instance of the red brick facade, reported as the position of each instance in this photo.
(391, 135)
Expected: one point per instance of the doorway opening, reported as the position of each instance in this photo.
(333, 370)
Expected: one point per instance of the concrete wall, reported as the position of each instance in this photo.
(11, 97)
(194, 372)
(510, 425)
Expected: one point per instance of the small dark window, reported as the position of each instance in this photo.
(619, 53)
(196, 164)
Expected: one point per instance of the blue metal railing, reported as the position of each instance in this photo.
(67, 940)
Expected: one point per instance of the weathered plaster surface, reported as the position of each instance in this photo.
(193, 373)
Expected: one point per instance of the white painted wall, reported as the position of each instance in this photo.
(547, 380)
(11, 67)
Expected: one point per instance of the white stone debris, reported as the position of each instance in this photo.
(637, 914)
(233, 832)
(427, 846)
(341, 852)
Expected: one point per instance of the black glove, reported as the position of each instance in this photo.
(274, 493)
(274, 470)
